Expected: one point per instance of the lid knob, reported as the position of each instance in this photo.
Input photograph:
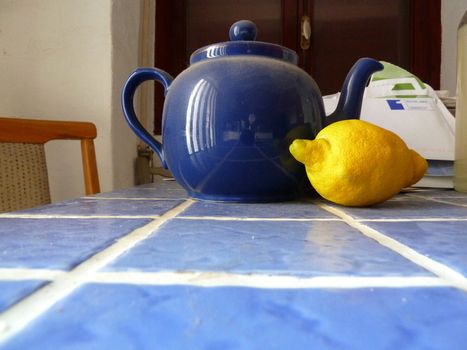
(243, 30)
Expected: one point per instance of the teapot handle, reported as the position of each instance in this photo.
(139, 76)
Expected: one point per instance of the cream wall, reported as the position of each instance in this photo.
(133, 32)
(67, 59)
(125, 29)
(451, 14)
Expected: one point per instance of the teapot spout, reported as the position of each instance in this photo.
(350, 101)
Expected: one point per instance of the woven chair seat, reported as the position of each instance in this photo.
(23, 176)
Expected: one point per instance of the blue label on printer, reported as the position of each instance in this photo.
(412, 104)
(395, 104)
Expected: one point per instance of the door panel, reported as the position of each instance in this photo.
(208, 21)
(344, 31)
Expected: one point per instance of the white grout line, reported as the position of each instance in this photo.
(135, 198)
(19, 315)
(233, 218)
(68, 216)
(215, 218)
(412, 220)
(21, 274)
(444, 201)
(264, 281)
(224, 279)
(453, 277)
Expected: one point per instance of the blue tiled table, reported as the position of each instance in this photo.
(148, 268)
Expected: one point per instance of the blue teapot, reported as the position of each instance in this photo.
(229, 118)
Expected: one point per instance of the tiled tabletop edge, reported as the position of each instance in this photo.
(19, 315)
(451, 276)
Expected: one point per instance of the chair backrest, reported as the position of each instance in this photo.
(23, 171)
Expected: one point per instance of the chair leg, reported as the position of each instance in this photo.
(91, 178)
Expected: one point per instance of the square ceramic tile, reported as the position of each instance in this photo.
(406, 208)
(462, 201)
(437, 193)
(444, 241)
(161, 184)
(290, 248)
(302, 210)
(161, 189)
(13, 291)
(111, 207)
(58, 243)
(185, 317)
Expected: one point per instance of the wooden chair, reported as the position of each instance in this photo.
(23, 172)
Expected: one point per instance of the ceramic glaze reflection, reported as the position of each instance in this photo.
(200, 133)
(215, 51)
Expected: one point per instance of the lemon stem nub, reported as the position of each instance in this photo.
(308, 151)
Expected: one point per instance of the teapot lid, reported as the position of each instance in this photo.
(242, 42)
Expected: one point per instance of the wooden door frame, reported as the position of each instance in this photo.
(170, 40)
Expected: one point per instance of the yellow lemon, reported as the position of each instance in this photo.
(356, 163)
